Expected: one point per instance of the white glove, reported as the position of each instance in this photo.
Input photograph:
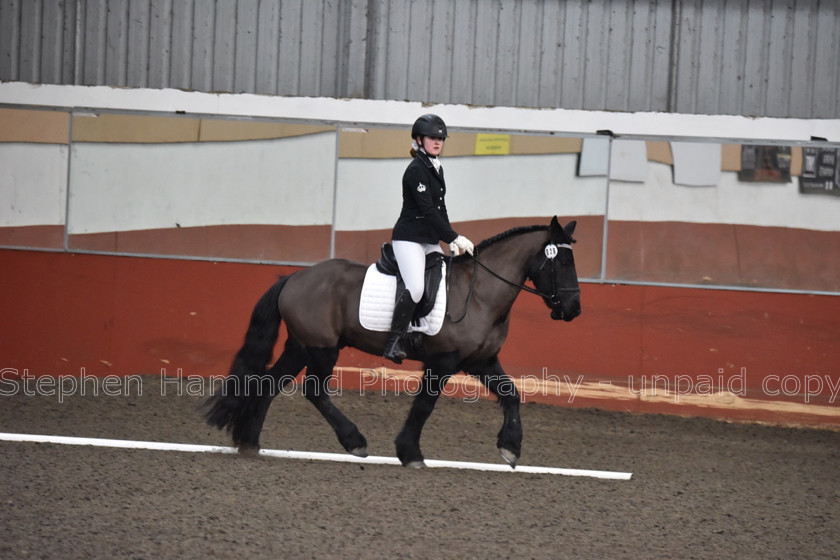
(461, 245)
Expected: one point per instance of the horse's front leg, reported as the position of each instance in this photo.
(500, 384)
(439, 368)
(316, 390)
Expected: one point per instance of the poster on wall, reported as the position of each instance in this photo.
(766, 164)
(820, 171)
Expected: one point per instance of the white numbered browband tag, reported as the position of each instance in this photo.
(551, 249)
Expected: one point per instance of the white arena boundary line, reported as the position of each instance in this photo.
(305, 455)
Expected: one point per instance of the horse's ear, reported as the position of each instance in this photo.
(560, 234)
(555, 231)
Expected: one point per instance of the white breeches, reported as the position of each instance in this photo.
(411, 258)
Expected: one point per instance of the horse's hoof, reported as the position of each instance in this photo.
(509, 457)
(416, 465)
(359, 452)
(249, 450)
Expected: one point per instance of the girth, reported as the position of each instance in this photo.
(387, 264)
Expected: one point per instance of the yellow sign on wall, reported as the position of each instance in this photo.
(492, 144)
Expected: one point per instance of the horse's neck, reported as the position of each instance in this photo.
(512, 254)
(508, 258)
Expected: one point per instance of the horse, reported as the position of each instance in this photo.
(320, 306)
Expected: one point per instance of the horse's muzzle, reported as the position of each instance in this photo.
(558, 315)
(566, 312)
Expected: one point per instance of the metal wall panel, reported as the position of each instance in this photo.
(268, 39)
(826, 74)
(758, 58)
(750, 57)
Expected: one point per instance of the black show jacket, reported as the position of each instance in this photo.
(423, 218)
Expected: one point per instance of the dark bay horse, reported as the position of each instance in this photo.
(321, 308)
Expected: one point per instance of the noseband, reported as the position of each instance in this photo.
(551, 251)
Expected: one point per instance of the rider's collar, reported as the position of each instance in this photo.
(427, 159)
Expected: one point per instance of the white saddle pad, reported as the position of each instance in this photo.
(376, 307)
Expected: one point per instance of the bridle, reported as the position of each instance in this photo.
(551, 252)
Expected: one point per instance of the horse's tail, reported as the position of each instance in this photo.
(241, 403)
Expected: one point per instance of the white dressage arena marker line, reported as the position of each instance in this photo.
(306, 455)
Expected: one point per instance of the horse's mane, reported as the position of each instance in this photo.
(507, 234)
(520, 230)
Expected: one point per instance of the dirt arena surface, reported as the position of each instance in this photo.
(700, 488)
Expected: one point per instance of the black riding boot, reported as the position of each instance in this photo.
(403, 311)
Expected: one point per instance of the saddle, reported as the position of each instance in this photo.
(387, 264)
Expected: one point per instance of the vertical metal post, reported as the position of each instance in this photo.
(67, 184)
(335, 189)
(605, 239)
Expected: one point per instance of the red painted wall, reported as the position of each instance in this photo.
(67, 313)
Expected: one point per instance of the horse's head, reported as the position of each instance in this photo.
(553, 272)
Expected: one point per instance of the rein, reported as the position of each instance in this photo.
(550, 251)
(469, 292)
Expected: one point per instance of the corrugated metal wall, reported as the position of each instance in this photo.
(758, 57)
(578, 55)
(751, 57)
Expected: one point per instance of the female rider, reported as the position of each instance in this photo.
(422, 224)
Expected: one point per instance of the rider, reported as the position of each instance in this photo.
(422, 224)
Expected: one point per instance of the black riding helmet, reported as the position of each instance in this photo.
(429, 125)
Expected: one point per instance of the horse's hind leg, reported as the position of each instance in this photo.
(242, 404)
(316, 391)
(285, 369)
(439, 369)
(500, 384)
